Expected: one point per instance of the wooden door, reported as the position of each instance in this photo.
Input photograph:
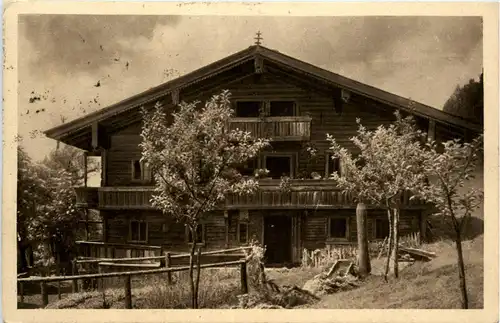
(277, 239)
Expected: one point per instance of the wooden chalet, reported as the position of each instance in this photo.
(302, 103)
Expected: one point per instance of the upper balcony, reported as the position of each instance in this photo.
(276, 128)
(304, 194)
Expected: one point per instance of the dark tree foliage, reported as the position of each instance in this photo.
(467, 101)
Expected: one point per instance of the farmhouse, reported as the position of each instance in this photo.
(295, 104)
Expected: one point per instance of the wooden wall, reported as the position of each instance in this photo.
(320, 106)
(315, 226)
(163, 231)
(309, 230)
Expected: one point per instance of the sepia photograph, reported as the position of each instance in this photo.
(237, 161)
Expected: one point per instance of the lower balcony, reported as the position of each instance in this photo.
(304, 194)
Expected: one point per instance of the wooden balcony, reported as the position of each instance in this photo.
(125, 197)
(86, 197)
(304, 194)
(276, 128)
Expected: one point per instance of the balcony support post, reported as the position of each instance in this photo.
(85, 168)
(87, 231)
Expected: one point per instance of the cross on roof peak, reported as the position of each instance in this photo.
(258, 38)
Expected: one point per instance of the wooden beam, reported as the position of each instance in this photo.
(104, 168)
(85, 169)
(337, 100)
(175, 96)
(259, 65)
(95, 135)
(431, 132)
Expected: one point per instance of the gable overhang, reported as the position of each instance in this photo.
(84, 132)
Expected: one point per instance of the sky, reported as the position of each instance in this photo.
(71, 65)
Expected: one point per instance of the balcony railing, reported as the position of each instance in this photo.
(86, 197)
(275, 128)
(308, 194)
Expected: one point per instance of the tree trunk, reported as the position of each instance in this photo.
(389, 244)
(395, 238)
(198, 273)
(191, 265)
(461, 268)
(363, 253)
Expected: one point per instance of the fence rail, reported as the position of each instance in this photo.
(165, 267)
(175, 256)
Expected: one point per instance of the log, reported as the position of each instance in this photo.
(418, 253)
(332, 269)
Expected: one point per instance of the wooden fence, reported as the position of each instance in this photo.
(331, 253)
(99, 249)
(117, 267)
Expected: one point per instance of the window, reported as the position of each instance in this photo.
(332, 165)
(282, 109)
(381, 228)
(248, 109)
(200, 233)
(278, 166)
(138, 231)
(243, 232)
(140, 171)
(338, 228)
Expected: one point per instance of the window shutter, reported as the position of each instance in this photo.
(146, 171)
(343, 171)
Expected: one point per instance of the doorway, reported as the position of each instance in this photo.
(277, 239)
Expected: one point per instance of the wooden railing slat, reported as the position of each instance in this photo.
(128, 273)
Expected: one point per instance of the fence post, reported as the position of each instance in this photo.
(45, 295)
(167, 265)
(128, 293)
(74, 272)
(21, 292)
(100, 281)
(244, 282)
(59, 290)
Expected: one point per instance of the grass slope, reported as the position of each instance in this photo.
(431, 285)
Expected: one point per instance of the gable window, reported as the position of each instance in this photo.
(200, 234)
(282, 108)
(278, 166)
(332, 165)
(381, 228)
(141, 171)
(338, 228)
(248, 109)
(138, 231)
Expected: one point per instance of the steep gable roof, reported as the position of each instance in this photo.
(84, 124)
